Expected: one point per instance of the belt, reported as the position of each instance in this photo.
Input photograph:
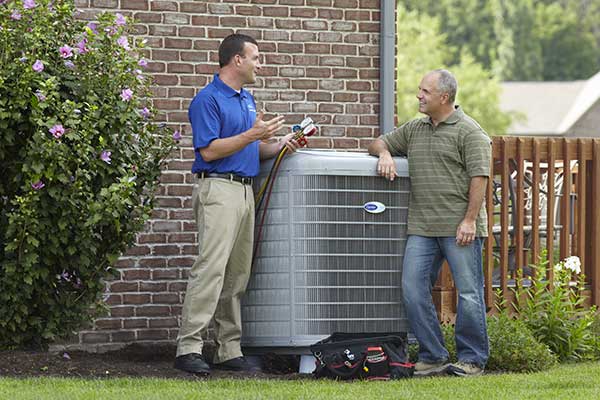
(231, 177)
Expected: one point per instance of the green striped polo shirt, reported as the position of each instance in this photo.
(441, 162)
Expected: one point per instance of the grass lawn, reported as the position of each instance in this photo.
(573, 382)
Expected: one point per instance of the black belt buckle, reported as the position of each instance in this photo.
(229, 176)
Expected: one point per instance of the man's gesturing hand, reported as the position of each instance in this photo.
(263, 130)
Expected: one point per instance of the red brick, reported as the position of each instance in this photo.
(276, 11)
(178, 43)
(134, 4)
(116, 287)
(181, 262)
(163, 5)
(369, 73)
(318, 96)
(331, 108)
(345, 97)
(304, 12)
(289, 48)
(292, 2)
(135, 274)
(165, 298)
(122, 336)
(137, 251)
(319, 143)
(236, 22)
(344, 73)
(345, 143)
(196, 81)
(279, 58)
(153, 311)
(148, 262)
(165, 55)
(369, 98)
(345, 3)
(258, 22)
(104, 324)
(343, 26)
(325, 3)
(136, 298)
(336, 61)
(346, 49)
(304, 84)
(105, 3)
(331, 14)
(288, 24)
(159, 274)
(147, 17)
(360, 86)
(194, 55)
(154, 334)
(122, 312)
(131, 323)
(190, 31)
(359, 131)
(113, 299)
(163, 323)
(247, 10)
(205, 20)
(317, 48)
(197, 7)
(153, 286)
(370, 4)
(165, 80)
(368, 27)
(314, 25)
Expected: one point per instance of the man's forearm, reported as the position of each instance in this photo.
(377, 147)
(476, 195)
(221, 148)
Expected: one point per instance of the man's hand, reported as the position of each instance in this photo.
(289, 142)
(386, 166)
(465, 233)
(264, 130)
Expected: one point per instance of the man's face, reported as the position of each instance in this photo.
(429, 96)
(249, 63)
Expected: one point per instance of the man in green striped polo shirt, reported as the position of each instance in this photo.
(449, 164)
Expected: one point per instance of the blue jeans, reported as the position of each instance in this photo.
(423, 259)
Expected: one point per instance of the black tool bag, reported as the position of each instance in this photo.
(362, 356)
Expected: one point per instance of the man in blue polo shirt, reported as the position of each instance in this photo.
(230, 138)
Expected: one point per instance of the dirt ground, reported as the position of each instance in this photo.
(132, 361)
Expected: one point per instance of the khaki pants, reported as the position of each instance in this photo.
(224, 212)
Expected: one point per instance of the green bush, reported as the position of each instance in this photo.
(555, 313)
(513, 348)
(79, 160)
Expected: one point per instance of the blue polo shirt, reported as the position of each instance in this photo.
(219, 112)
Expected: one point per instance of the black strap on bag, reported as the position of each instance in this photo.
(348, 356)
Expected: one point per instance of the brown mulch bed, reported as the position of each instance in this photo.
(132, 361)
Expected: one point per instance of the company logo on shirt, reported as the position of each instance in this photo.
(251, 108)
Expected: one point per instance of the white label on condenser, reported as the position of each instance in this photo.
(374, 207)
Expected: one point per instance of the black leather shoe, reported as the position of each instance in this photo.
(193, 363)
(239, 364)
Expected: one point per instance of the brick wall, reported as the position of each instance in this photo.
(321, 59)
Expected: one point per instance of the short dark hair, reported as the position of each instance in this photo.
(233, 45)
(447, 83)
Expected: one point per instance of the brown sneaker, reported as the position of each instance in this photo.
(464, 369)
(427, 369)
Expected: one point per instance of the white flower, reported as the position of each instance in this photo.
(573, 263)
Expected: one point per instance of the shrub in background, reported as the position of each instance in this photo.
(79, 160)
(554, 312)
(513, 348)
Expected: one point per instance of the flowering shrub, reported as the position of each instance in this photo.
(555, 313)
(79, 160)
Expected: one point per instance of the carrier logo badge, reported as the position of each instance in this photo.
(374, 207)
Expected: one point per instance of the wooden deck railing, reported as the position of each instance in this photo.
(544, 196)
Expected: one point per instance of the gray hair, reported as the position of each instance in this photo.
(447, 83)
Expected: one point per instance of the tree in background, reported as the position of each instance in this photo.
(521, 39)
(421, 48)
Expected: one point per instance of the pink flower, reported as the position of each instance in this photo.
(144, 112)
(143, 63)
(16, 15)
(57, 131)
(126, 94)
(81, 46)
(120, 21)
(122, 41)
(38, 66)
(66, 51)
(37, 185)
(40, 96)
(93, 27)
(28, 4)
(177, 135)
(105, 156)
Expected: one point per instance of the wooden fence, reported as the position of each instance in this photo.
(544, 196)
